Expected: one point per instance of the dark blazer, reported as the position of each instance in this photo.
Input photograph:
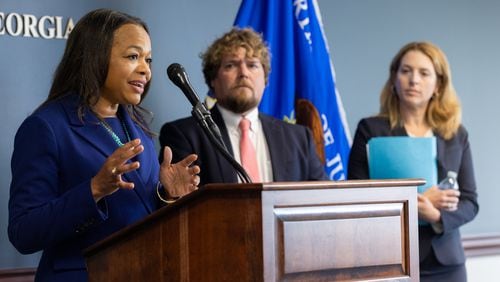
(51, 206)
(453, 155)
(291, 147)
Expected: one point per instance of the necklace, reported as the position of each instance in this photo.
(113, 134)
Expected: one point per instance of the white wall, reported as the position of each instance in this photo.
(481, 269)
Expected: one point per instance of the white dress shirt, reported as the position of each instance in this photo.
(232, 121)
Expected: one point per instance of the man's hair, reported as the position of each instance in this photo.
(229, 42)
(443, 111)
(84, 66)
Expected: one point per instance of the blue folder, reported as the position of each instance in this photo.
(403, 157)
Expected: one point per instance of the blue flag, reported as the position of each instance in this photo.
(301, 69)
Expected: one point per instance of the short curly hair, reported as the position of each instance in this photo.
(230, 42)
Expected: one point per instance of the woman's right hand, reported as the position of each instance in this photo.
(109, 178)
(426, 210)
(443, 199)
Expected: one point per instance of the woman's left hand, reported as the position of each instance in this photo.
(443, 199)
(180, 178)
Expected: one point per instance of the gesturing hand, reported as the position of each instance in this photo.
(109, 178)
(180, 178)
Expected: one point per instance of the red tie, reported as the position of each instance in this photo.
(247, 151)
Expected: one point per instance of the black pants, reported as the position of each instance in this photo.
(431, 270)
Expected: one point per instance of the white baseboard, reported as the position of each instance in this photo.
(483, 268)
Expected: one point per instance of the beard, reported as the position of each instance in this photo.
(239, 103)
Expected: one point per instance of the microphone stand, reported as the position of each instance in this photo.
(204, 119)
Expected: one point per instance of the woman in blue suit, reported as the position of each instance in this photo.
(419, 100)
(84, 163)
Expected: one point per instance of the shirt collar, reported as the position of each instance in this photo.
(232, 119)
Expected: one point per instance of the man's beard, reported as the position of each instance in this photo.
(239, 104)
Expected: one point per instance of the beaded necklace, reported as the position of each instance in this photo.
(113, 134)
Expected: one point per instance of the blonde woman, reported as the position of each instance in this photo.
(419, 100)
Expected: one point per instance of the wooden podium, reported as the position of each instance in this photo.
(282, 231)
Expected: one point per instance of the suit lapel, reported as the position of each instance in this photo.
(276, 145)
(441, 155)
(97, 137)
(145, 170)
(90, 129)
(223, 164)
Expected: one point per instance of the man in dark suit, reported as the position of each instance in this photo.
(236, 68)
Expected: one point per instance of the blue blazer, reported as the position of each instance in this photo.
(292, 150)
(453, 155)
(51, 206)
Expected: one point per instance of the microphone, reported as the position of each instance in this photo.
(179, 77)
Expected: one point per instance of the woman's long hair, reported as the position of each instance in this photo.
(85, 63)
(443, 111)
